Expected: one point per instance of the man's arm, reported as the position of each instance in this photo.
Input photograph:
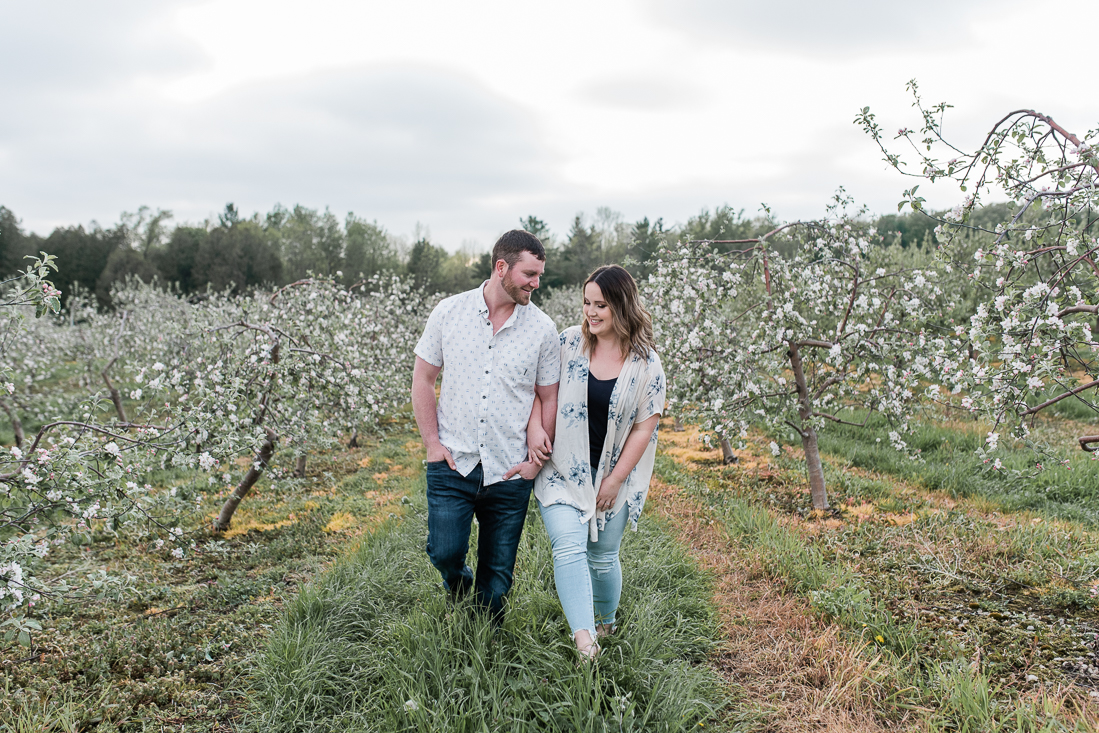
(537, 456)
(423, 407)
(541, 424)
(539, 445)
(548, 397)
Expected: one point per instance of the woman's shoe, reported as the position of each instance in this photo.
(590, 652)
(586, 646)
(605, 630)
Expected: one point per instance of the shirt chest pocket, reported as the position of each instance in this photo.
(517, 367)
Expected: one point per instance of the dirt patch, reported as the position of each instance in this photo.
(797, 670)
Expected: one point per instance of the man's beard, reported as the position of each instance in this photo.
(517, 294)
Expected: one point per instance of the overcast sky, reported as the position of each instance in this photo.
(465, 116)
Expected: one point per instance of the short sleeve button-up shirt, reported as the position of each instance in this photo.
(488, 379)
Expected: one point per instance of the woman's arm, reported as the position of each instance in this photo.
(636, 444)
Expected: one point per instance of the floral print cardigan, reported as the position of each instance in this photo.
(566, 478)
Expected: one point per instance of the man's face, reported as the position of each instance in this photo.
(521, 279)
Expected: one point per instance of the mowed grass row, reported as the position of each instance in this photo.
(985, 623)
(373, 645)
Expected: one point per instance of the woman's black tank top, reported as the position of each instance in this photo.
(599, 401)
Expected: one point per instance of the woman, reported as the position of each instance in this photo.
(609, 402)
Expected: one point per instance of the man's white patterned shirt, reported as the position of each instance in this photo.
(488, 379)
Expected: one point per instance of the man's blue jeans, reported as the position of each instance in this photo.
(501, 508)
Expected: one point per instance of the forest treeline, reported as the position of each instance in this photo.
(239, 253)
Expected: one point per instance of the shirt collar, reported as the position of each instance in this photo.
(482, 307)
(482, 304)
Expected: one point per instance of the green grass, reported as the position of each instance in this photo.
(967, 611)
(374, 646)
(175, 644)
(949, 464)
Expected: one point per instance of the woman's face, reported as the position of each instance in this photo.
(597, 312)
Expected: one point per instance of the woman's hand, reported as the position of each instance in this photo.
(608, 493)
(539, 446)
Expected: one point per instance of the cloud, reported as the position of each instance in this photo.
(393, 142)
(641, 93)
(423, 113)
(839, 27)
(391, 136)
(55, 48)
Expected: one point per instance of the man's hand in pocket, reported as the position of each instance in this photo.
(526, 469)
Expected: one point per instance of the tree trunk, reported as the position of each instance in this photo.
(678, 427)
(727, 455)
(263, 457)
(116, 396)
(816, 470)
(806, 431)
(354, 442)
(16, 424)
(299, 467)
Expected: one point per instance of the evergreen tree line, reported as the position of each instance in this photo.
(285, 245)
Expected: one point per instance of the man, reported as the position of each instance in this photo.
(498, 350)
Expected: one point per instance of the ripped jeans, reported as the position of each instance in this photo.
(588, 574)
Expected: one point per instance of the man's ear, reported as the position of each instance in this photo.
(500, 268)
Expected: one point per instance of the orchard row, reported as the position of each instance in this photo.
(812, 324)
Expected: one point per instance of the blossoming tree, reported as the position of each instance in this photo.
(193, 384)
(1030, 343)
(830, 333)
(29, 289)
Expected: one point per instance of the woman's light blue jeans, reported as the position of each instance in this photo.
(588, 574)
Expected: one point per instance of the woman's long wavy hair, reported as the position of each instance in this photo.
(632, 324)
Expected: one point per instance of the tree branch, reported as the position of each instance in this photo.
(798, 430)
(841, 421)
(1060, 397)
(1086, 441)
(1078, 309)
(277, 293)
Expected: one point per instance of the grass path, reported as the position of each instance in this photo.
(373, 646)
(793, 672)
(960, 619)
(742, 611)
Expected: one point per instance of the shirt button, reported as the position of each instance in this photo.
(484, 397)
(482, 445)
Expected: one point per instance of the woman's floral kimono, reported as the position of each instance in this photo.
(638, 394)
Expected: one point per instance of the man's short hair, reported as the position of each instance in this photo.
(511, 246)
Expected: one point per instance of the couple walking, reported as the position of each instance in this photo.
(572, 417)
